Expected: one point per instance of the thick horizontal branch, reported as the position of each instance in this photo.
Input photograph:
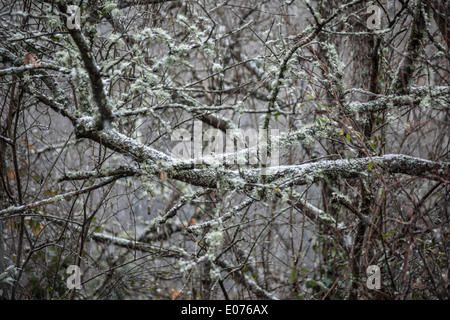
(353, 168)
(381, 103)
(154, 159)
(284, 175)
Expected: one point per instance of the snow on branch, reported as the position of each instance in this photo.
(417, 95)
(28, 67)
(138, 246)
(109, 172)
(98, 89)
(312, 212)
(155, 223)
(283, 175)
(353, 168)
(57, 198)
(210, 224)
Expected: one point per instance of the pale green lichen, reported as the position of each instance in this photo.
(58, 198)
(53, 21)
(214, 272)
(155, 223)
(109, 6)
(335, 64)
(148, 185)
(161, 95)
(185, 265)
(214, 239)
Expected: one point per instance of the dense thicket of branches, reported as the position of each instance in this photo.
(89, 176)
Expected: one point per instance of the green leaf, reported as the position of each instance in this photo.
(311, 284)
(293, 276)
(348, 137)
(275, 116)
(50, 193)
(322, 285)
(370, 165)
(303, 269)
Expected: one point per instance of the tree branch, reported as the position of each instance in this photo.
(98, 89)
